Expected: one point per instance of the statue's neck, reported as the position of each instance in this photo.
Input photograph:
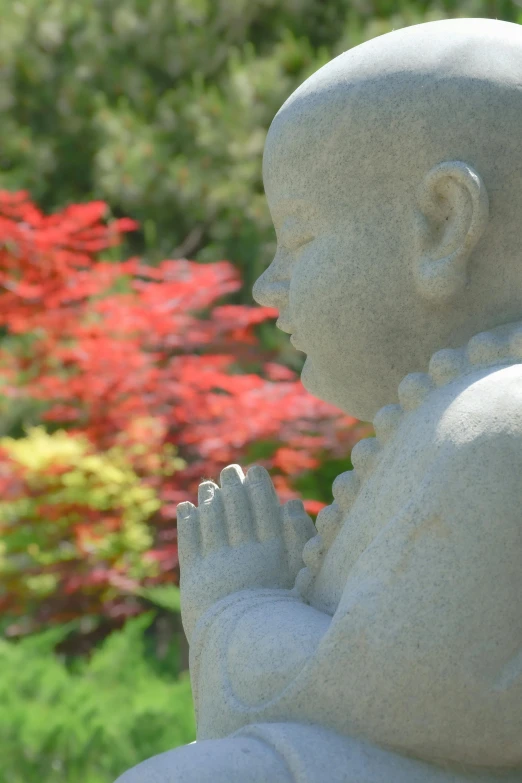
(497, 346)
(500, 346)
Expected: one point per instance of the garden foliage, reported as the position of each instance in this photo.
(124, 383)
(161, 108)
(146, 385)
(89, 720)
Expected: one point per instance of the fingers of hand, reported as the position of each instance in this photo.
(238, 513)
(211, 517)
(188, 532)
(244, 509)
(264, 503)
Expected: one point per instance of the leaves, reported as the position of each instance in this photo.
(161, 109)
(89, 721)
(146, 382)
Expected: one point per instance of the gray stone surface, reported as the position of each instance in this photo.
(385, 646)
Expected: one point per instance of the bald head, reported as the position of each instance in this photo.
(394, 179)
(402, 102)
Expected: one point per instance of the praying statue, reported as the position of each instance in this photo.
(383, 644)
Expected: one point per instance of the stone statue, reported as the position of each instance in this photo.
(384, 645)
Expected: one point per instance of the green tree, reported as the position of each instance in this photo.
(161, 108)
(88, 720)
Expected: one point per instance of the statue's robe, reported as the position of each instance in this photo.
(411, 636)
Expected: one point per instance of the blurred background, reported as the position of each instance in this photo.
(133, 361)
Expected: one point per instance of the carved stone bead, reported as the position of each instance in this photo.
(414, 389)
(313, 553)
(345, 488)
(364, 455)
(446, 365)
(328, 522)
(486, 347)
(386, 422)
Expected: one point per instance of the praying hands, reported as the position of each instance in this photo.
(239, 537)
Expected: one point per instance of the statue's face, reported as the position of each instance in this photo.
(336, 278)
(345, 167)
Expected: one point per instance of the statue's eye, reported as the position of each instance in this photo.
(296, 242)
(294, 233)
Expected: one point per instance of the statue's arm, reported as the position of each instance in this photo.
(248, 649)
(432, 600)
(425, 645)
(240, 552)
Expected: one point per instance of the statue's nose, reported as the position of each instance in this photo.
(271, 292)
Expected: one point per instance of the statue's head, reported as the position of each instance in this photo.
(394, 180)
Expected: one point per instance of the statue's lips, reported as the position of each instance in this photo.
(283, 325)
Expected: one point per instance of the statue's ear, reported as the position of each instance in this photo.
(453, 212)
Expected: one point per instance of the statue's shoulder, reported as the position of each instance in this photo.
(479, 405)
(485, 404)
(476, 429)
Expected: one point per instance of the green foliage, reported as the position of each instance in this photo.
(73, 505)
(69, 470)
(163, 596)
(161, 108)
(89, 722)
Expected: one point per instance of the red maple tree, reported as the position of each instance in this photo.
(129, 355)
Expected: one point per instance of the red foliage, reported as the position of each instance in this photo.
(125, 353)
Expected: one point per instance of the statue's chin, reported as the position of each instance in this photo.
(317, 383)
(308, 379)
(330, 391)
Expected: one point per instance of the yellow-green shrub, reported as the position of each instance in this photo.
(72, 521)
